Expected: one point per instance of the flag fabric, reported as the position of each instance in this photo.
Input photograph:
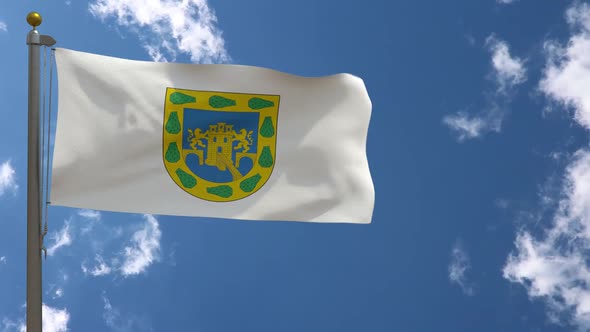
(222, 141)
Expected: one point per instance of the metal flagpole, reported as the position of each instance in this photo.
(34, 287)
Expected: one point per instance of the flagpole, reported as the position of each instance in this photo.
(34, 286)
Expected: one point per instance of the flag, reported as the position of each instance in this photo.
(222, 141)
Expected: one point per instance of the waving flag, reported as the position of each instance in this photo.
(224, 141)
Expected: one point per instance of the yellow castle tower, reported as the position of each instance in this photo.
(220, 145)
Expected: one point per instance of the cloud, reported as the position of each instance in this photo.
(505, 2)
(3, 26)
(554, 265)
(53, 320)
(144, 248)
(58, 293)
(507, 72)
(166, 28)
(567, 74)
(140, 251)
(7, 178)
(458, 267)
(57, 289)
(89, 214)
(110, 314)
(100, 269)
(7, 325)
(467, 127)
(62, 238)
(3, 259)
(116, 322)
(502, 203)
(91, 217)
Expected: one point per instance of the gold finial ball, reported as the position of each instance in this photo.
(34, 19)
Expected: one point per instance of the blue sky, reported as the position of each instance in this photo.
(478, 147)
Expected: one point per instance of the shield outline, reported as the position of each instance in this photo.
(201, 102)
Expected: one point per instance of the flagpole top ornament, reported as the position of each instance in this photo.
(34, 19)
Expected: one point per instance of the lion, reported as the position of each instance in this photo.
(244, 139)
(195, 137)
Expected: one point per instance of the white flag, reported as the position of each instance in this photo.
(223, 141)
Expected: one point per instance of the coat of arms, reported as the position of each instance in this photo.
(219, 146)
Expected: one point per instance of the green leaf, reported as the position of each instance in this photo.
(250, 183)
(173, 125)
(259, 103)
(220, 102)
(265, 159)
(172, 153)
(187, 180)
(181, 98)
(224, 191)
(267, 129)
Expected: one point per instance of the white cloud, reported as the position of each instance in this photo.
(468, 127)
(53, 320)
(3, 26)
(100, 269)
(7, 178)
(3, 259)
(465, 126)
(167, 27)
(554, 266)
(567, 74)
(8, 325)
(122, 323)
(502, 203)
(56, 289)
(505, 2)
(58, 293)
(507, 72)
(110, 314)
(144, 248)
(458, 267)
(89, 214)
(140, 251)
(62, 238)
(90, 217)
